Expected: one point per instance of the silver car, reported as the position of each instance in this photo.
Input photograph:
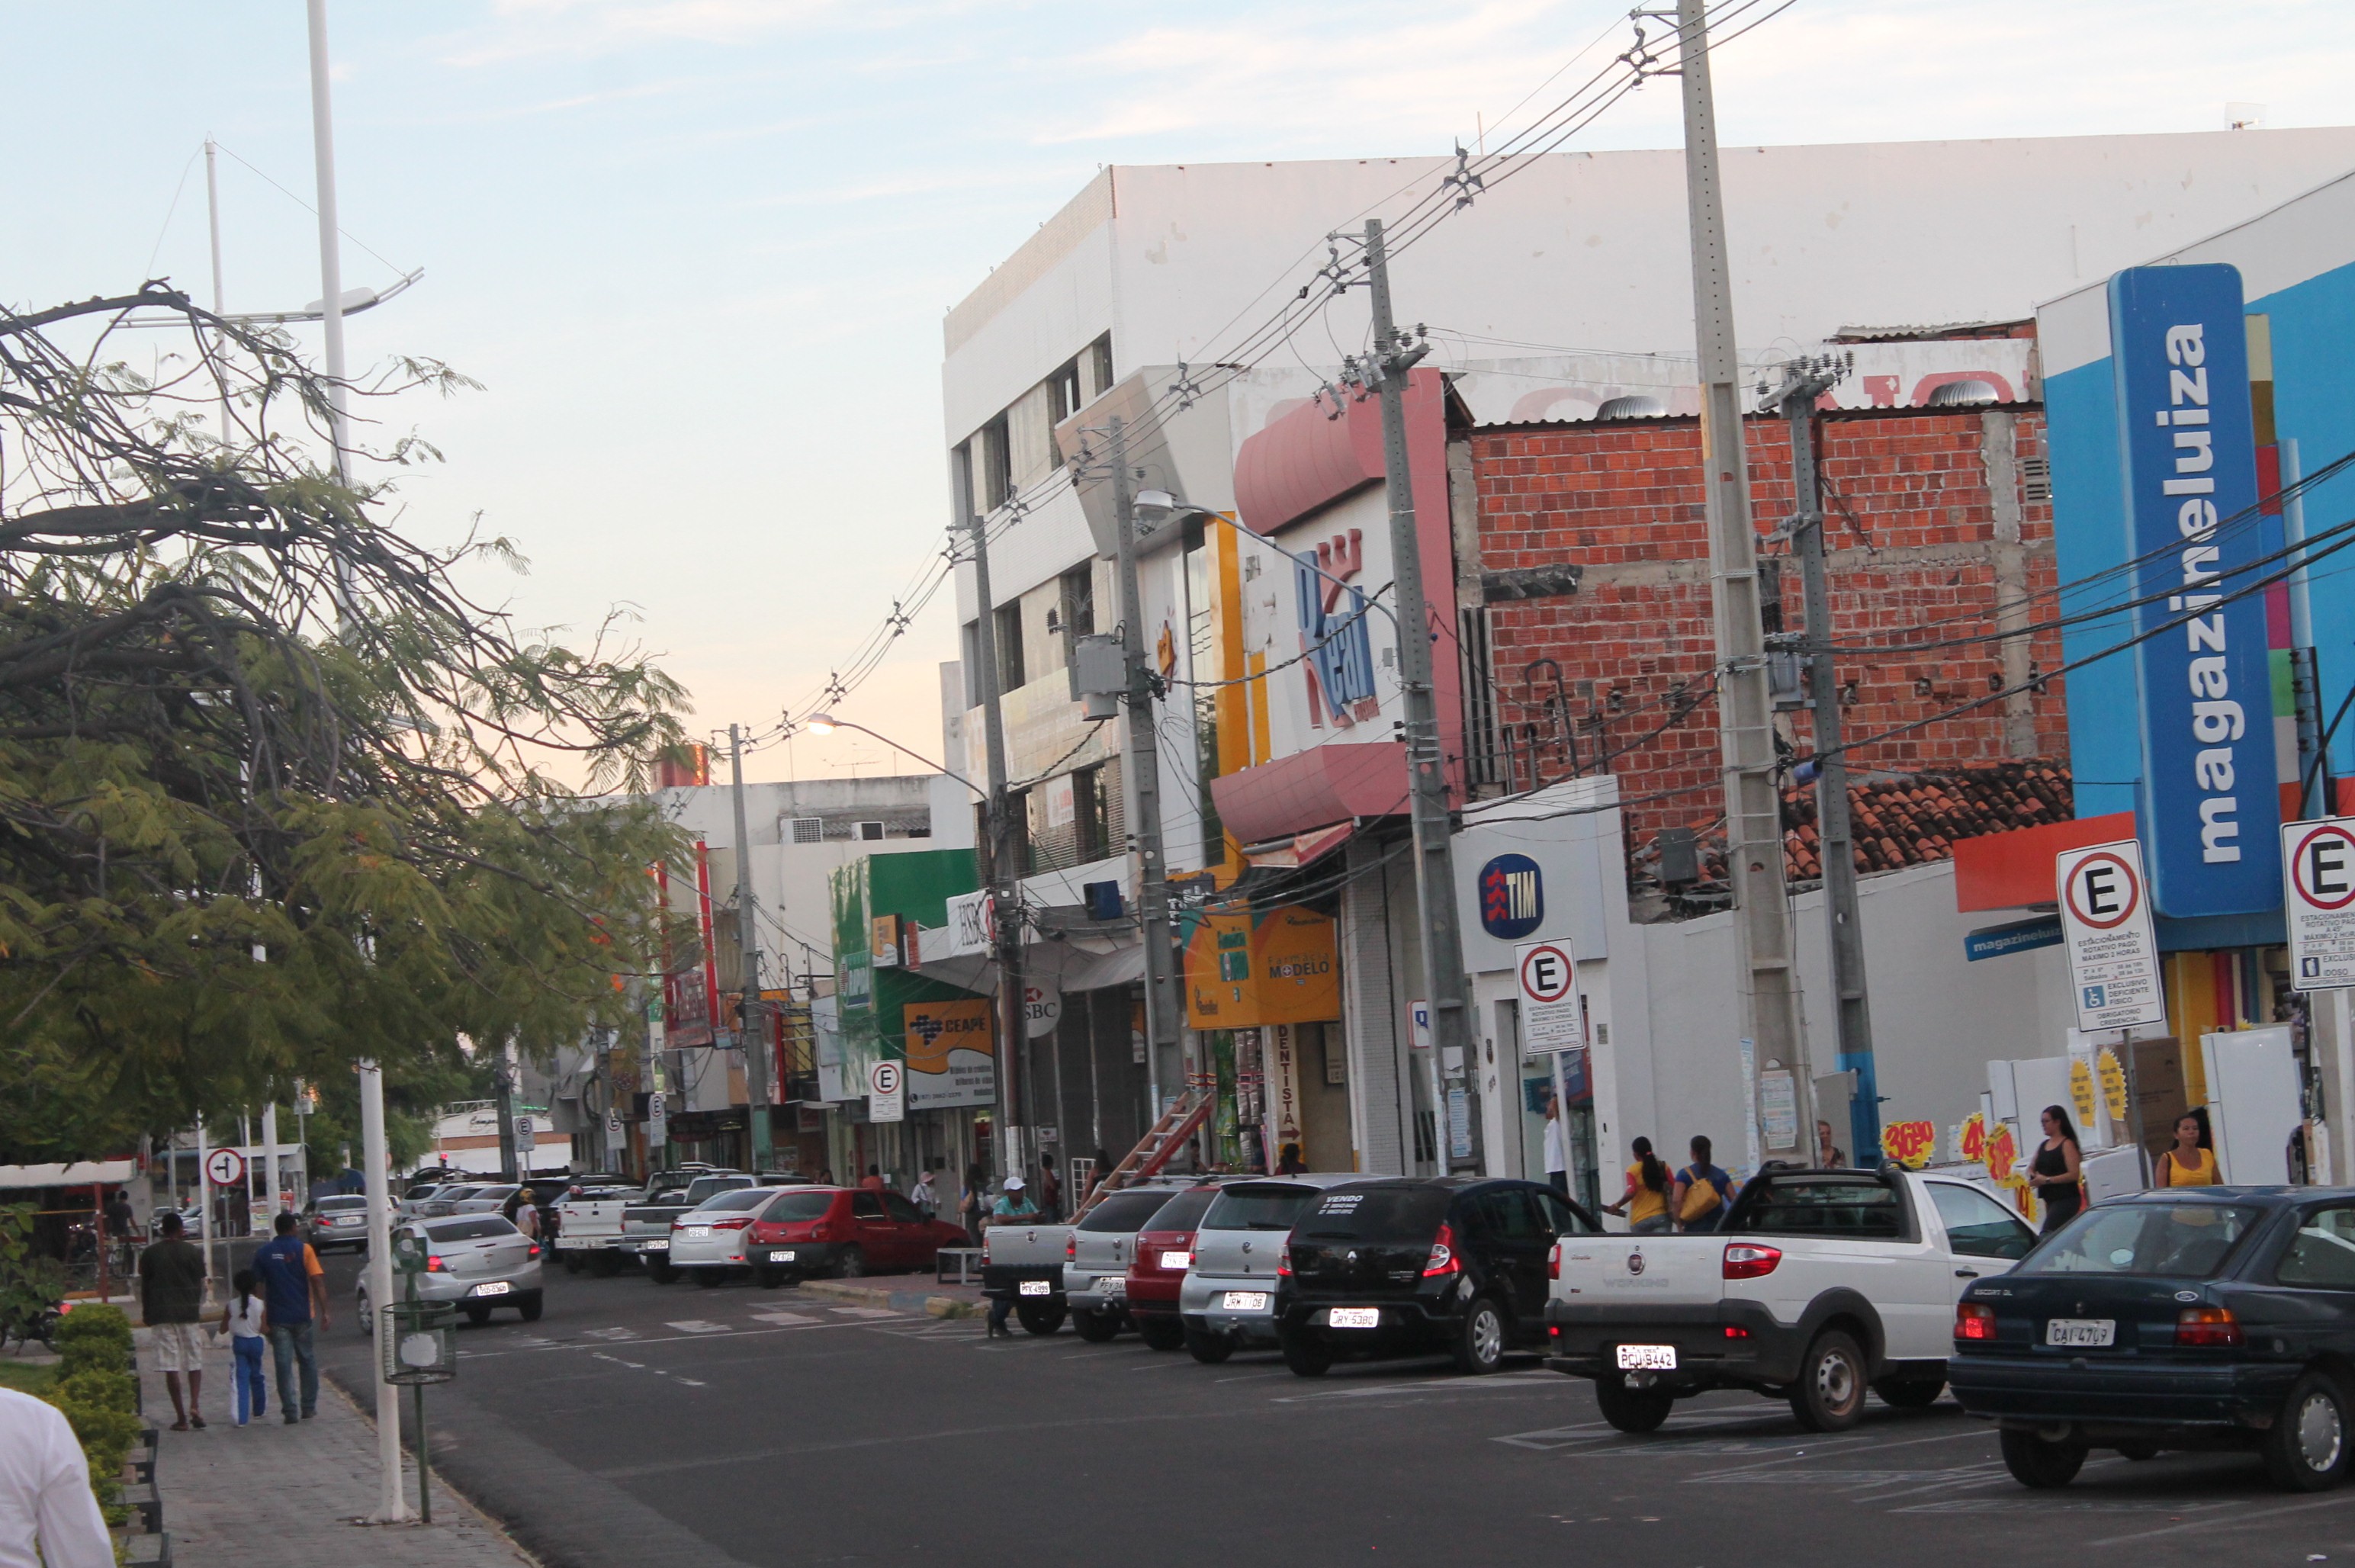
(485, 1200)
(477, 1261)
(1230, 1297)
(339, 1219)
(707, 1242)
(1095, 1276)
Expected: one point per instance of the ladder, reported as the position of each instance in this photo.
(1180, 1122)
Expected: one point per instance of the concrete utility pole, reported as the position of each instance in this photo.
(1141, 786)
(1435, 851)
(1764, 969)
(391, 1507)
(1802, 385)
(754, 1038)
(1004, 874)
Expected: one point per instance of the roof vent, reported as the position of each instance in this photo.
(1963, 393)
(1632, 408)
(809, 829)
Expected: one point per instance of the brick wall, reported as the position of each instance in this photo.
(1920, 560)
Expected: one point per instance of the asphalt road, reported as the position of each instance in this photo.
(644, 1425)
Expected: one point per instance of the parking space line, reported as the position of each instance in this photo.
(2228, 1519)
(698, 1326)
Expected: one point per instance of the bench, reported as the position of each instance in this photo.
(152, 1551)
(143, 1458)
(143, 1496)
(966, 1260)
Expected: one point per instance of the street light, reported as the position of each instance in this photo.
(827, 724)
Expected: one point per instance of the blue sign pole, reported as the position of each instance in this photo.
(2210, 814)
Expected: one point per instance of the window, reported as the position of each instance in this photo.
(971, 644)
(2322, 1253)
(1257, 1208)
(866, 1205)
(997, 475)
(1566, 1219)
(1376, 1214)
(1976, 1226)
(2186, 1239)
(902, 1210)
(1125, 1212)
(1078, 603)
(960, 484)
(1183, 1212)
(1824, 1206)
(870, 831)
(474, 1228)
(1508, 1216)
(1090, 822)
(809, 829)
(1064, 398)
(1100, 365)
(742, 1201)
(794, 1205)
(1006, 624)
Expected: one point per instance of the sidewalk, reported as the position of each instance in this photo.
(919, 1294)
(272, 1496)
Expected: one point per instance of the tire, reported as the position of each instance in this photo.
(2039, 1463)
(852, 1265)
(2307, 1449)
(1208, 1347)
(706, 1278)
(1635, 1410)
(478, 1312)
(1829, 1396)
(1040, 1318)
(1095, 1327)
(1309, 1354)
(2140, 1452)
(364, 1316)
(531, 1307)
(1909, 1392)
(662, 1273)
(1479, 1345)
(1162, 1333)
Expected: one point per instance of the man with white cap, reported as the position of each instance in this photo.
(1013, 1206)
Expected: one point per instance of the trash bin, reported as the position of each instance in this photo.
(420, 1342)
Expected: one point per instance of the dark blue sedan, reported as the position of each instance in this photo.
(2216, 1317)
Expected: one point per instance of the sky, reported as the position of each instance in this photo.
(697, 251)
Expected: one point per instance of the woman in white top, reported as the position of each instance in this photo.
(247, 1323)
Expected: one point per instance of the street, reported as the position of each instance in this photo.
(637, 1423)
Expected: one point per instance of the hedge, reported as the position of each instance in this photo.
(100, 1395)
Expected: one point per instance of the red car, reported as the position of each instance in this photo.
(1157, 1267)
(839, 1230)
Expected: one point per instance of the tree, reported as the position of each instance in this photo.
(275, 794)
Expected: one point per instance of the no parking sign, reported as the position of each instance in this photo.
(2106, 918)
(2318, 892)
(1552, 1020)
(887, 1091)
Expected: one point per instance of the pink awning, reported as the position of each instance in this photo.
(1320, 787)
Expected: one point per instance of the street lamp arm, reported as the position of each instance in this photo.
(824, 722)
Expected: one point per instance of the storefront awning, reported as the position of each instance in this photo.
(80, 1173)
(1298, 850)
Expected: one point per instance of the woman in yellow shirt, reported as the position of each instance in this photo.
(1646, 1202)
(2190, 1162)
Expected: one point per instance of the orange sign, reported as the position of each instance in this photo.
(2002, 1154)
(1249, 969)
(1974, 1139)
(1910, 1143)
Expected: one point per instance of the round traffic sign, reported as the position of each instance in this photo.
(1546, 973)
(883, 1077)
(225, 1167)
(2103, 891)
(2322, 867)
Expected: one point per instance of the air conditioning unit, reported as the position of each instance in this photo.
(870, 830)
(809, 829)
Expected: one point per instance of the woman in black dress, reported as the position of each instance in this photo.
(2056, 1172)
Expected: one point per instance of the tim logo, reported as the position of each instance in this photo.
(1512, 896)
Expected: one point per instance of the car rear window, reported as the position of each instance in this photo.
(472, 1228)
(703, 1187)
(1375, 1214)
(1125, 1211)
(798, 1206)
(1822, 1206)
(326, 1203)
(1182, 1213)
(2190, 1241)
(1257, 1208)
(734, 1202)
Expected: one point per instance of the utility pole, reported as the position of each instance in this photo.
(391, 1507)
(1803, 384)
(1004, 874)
(754, 1039)
(1141, 784)
(1434, 854)
(502, 1077)
(331, 270)
(1764, 969)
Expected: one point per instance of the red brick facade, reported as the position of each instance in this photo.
(1915, 539)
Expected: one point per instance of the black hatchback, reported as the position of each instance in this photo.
(1410, 1265)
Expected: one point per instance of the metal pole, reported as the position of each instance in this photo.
(205, 1207)
(331, 263)
(749, 1017)
(1005, 875)
(270, 1158)
(391, 1508)
(1141, 784)
(1768, 1012)
(1435, 853)
(1842, 918)
(220, 299)
(424, 1464)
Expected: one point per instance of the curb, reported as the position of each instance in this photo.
(903, 1300)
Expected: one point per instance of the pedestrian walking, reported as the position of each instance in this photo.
(1099, 1169)
(2056, 1173)
(1557, 1158)
(972, 1204)
(522, 1212)
(122, 1227)
(2191, 1162)
(1702, 1191)
(46, 1504)
(1051, 1190)
(246, 1321)
(1828, 1155)
(924, 1194)
(294, 1295)
(172, 1301)
(1646, 1202)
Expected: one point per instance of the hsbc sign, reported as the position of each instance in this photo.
(2318, 893)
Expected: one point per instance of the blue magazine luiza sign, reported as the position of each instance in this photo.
(2210, 815)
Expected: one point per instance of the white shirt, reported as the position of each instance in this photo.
(45, 1494)
(245, 1315)
(1554, 1161)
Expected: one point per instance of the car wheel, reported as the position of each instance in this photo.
(2306, 1450)
(1162, 1333)
(662, 1273)
(365, 1316)
(478, 1312)
(531, 1307)
(706, 1278)
(1040, 1318)
(1096, 1327)
(1637, 1410)
(852, 1265)
(1909, 1392)
(1309, 1354)
(2139, 1453)
(1479, 1344)
(2040, 1463)
(1208, 1347)
(1829, 1393)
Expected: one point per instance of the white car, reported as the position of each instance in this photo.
(709, 1241)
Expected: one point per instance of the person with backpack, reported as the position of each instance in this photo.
(1703, 1191)
(246, 1321)
(1646, 1202)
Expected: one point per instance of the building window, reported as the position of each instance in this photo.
(1007, 625)
(1202, 624)
(1064, 396)
(972, 641)
(870, 831)
(1100, 365)
(997, 464)
(960, 484)
(1090, 822)
(1075, 611)
(809, 829)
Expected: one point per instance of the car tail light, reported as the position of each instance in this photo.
(985, 1249)
(1553, 1262)
(1749, 1260)
(1736, 1331)
(535, 1250)
(1072, 1248)
(1283, 1264)
(2208, 1328)
(1974, 1320)
(433, 1264)
(1443, 1255)
(736, 1224)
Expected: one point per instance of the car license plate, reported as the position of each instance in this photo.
(1647, 1358)
(699, 1230)
(1244, 1301)
(782, 1257)
(492, 1287)
(661, 1246)
(1181, 1262)
(1037, 1287)
(2081, 1333)
(1356, 1318)
(1112, 1284)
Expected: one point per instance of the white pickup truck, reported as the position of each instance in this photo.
(1818, 1284)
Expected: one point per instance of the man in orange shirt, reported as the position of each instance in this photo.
(294, 1291)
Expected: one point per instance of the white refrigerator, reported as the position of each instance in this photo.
(2254, 1102)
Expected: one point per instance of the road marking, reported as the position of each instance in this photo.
(2231, 1519)
(697, 1326)
(864, 1311)
(690, 1382)
(777, 1317)
(634, 1366)
(610, 1333)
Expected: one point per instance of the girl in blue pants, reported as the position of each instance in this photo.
(246, 1323)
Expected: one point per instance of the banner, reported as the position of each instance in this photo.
(952, 1057)
(1248, 969)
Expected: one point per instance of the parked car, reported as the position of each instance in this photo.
(830, 1229)
(443, 1200)
(2205, 1319)
(1416, 1264)
(336, 1221)
(1231, 1296)
(1096, 1274)
(490, 1200)
(708, 1243)
(1158, 1266)
(478, 1261)
(646, 1224)
(1023, 1261)
(589, 1224)
(1818, 1284)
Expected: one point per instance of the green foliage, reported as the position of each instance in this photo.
(35, 1378)
(28, 1281)
(100, 1396)
(94, 1337)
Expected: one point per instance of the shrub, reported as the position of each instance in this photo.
(98, 1395)
(94, 1337)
